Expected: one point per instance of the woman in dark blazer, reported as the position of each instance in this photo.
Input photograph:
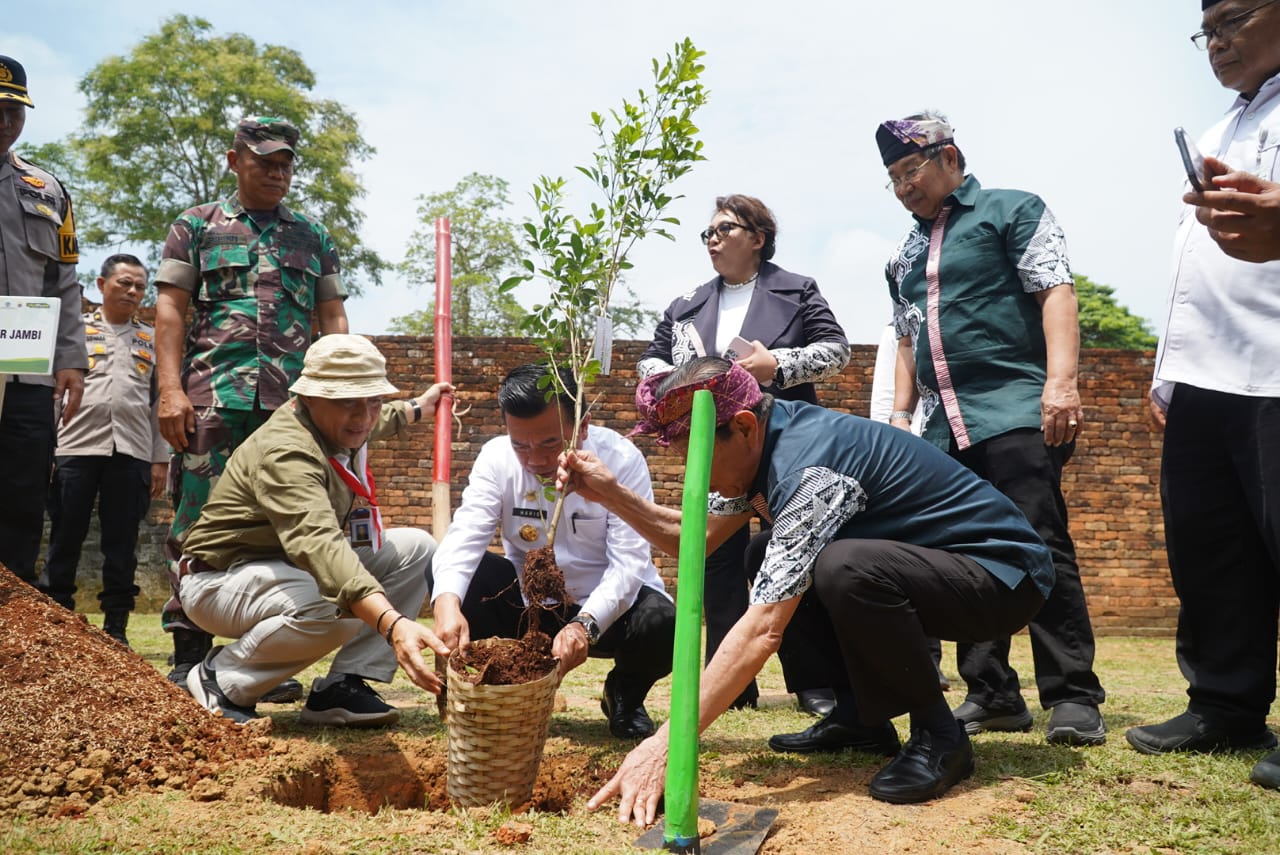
(777, 325)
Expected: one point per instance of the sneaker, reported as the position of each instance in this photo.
(1076, 724)
(975, 718)
(202, 683)
(285, 693)
(349, 702)
(1190, 732)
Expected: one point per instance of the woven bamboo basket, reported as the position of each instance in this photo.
(496, 735)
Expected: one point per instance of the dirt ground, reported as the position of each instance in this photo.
(85, 721)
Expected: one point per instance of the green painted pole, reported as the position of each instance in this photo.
(680, 832)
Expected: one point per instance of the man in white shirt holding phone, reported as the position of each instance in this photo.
(1216, 392)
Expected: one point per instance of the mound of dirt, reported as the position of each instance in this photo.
(83, 718)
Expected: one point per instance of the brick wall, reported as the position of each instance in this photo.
(1111, 484)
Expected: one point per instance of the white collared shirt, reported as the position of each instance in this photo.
(1222, 330)
(605, 562)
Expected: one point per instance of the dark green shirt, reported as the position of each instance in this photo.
(976, 324)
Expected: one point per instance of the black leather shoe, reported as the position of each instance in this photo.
(1190, 732)
(627, 720)
(920, 772)
(1267, 772)
(819, 702)
(975, 718)
(828, 735)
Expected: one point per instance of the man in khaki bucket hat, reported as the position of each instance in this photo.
(291, 559)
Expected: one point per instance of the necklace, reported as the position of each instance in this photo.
(730, 286)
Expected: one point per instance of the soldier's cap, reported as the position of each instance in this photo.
(343, 366)
(266, 135)
(13, 81)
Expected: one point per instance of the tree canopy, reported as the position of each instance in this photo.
(1106, 323)
(485, 250)
(158, 124)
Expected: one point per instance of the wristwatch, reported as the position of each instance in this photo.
(590, 625)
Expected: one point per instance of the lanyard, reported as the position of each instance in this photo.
(364, 524)
(370, 493)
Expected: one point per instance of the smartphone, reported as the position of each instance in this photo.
(738, 348)
(1192, 160)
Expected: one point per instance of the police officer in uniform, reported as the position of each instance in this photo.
(38, 255)
(112, 453)
(252, 271)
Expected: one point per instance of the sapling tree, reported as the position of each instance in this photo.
(644, 147)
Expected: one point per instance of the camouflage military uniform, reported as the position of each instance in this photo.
(253, 283)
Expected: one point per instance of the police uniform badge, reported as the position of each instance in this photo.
(528, 533)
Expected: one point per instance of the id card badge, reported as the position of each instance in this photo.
(364, 528)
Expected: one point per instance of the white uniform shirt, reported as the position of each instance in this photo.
(605, 562)
(118, 410)
(1222, 331)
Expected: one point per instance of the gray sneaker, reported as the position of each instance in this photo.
(202, 683)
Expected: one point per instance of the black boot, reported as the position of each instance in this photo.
(114, 623)
(189, 649)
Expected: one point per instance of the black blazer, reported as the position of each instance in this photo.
(786, 310)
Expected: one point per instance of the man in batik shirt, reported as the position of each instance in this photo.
(252, 272)
(985, 310)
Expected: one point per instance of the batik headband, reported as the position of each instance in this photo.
(668, 419)
(898, 138)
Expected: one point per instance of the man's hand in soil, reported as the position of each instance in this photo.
(582, 472)
(570, 646)
(639, 782)
(408, 639)
(451, 626)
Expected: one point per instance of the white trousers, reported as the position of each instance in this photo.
(281, 624)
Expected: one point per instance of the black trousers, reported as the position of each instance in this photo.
(122, 487)
(884, 600)
(640, 642)
(27, 437)
(1029, 472)
(724, 598)
(1220, 487)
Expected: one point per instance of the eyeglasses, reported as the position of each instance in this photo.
(913, 173)
(722, 231)
(1226, 29)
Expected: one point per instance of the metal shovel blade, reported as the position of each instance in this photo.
(740, 829)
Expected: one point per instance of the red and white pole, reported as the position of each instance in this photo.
(442, 458)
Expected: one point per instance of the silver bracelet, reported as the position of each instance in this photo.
(900, 414)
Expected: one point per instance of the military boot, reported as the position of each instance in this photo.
(189, 649)
(114, 623)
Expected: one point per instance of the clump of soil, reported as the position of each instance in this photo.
(505, 661)
(83, 718)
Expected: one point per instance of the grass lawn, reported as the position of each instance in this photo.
(1027, 796)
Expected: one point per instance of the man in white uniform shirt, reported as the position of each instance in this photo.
(1217, 393)
(112, 453)
(619, 608)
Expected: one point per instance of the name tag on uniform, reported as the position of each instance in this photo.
(364, 527)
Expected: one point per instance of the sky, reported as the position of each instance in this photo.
(1075, 101)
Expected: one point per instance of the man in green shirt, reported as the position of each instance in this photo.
(290, 558)
(985, 311)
